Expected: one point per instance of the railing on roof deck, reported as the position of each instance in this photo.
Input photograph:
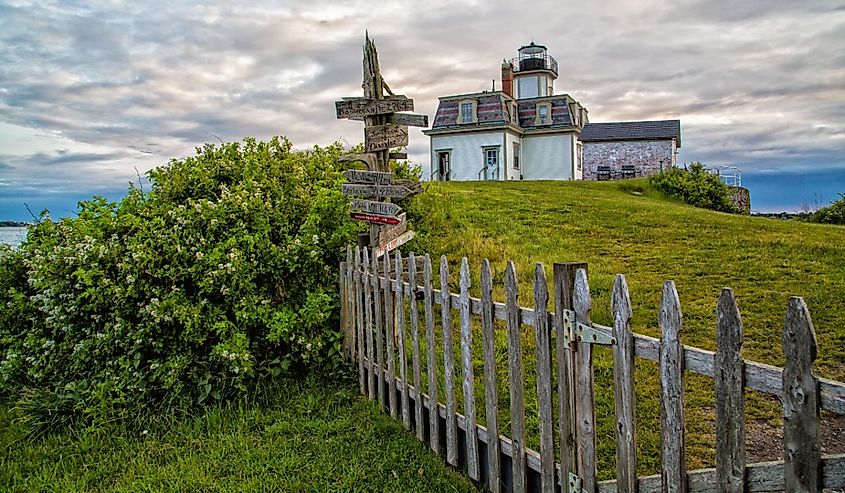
(538, 61)
(730, 175)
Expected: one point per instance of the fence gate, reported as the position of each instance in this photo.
(392, 332)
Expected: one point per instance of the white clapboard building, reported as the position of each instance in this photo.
(527, 132)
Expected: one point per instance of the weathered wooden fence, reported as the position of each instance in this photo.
(381, 314)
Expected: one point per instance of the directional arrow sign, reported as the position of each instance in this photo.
(361, 107)
(374, 177)
(375, 218)
(398, 155)
(388, 233)
(409, 119)
(395, 191)
(373, 207)
(393, 244)
(380, 137)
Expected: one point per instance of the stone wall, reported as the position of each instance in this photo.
(645, 155)
(741, 199)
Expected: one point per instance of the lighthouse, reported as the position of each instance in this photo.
(531, 74)
(527, 131)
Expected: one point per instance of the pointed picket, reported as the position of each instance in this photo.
(544, 380)
(623, 390)
(399, 290)
(515, 379)
(433, 408)
(448, 365)
(674, 468)
(802, 456)
(390, 329)
(468, 375)
(730, 406)
(415, 348)
(491, 396)
(585, 412)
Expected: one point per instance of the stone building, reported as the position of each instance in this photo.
(616, 147)
(527, 132)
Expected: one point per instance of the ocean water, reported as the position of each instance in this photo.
(12, 236)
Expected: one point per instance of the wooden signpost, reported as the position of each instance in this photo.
(385, 128)
(383, 137)
(388, 233)
(394, 244)
(373, 207)
(355, 108)
(375, 218)
(374, 177)
(407, 119)
(370, 190)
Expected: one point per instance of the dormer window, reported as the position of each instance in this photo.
(466, 111)
(544, 111)
(514, 114)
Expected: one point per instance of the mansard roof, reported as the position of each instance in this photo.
(493, 109)
(644, 130)
(490, 108)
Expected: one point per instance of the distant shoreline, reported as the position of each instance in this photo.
(14, 224)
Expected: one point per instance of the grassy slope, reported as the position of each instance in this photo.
(305, 437)
(650, 240)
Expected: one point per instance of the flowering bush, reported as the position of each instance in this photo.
(225, 272)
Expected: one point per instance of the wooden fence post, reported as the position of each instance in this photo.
(491, 395)
(730, 404)
(515, 379)
(448, 365)
(400, 333)
(468, 374)
(415, 348)
(390, 329)
(544, 380)
(624, 397)
(585, 413)
(802, 456)
(564, 284)
(433, 406)
(674, 469)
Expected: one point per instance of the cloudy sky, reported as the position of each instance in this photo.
(90, 92)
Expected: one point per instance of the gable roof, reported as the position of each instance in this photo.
(646, 130)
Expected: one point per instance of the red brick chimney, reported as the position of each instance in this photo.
(507, 78)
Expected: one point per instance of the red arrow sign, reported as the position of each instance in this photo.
(375, 218)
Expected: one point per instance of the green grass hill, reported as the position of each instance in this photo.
(626, 227)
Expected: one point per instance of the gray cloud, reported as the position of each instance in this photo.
(757, 84)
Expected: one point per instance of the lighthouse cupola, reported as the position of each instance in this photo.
(534, 72)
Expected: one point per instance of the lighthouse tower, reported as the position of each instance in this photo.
(531, 74)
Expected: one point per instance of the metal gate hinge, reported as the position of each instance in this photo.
(574, 331)
(576, 484)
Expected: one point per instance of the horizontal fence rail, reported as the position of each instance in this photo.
(384, 308)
